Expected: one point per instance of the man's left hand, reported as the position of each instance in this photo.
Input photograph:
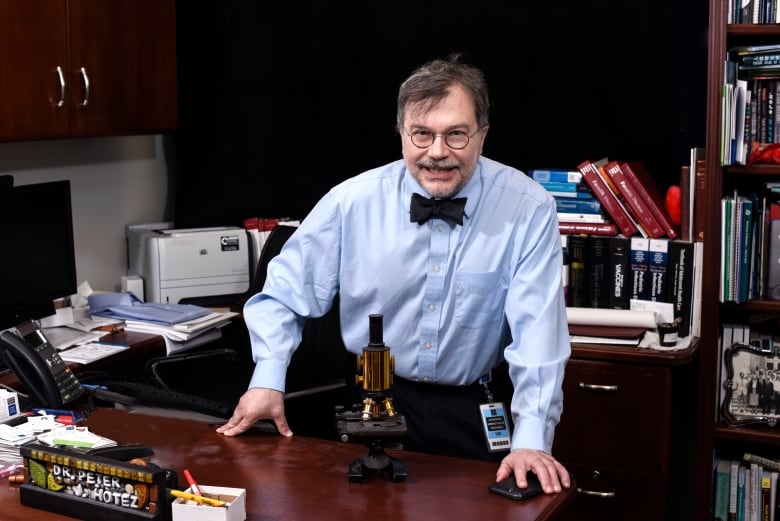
(552, 475)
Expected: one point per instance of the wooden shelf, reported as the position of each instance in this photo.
(762, 434)
(753, 30)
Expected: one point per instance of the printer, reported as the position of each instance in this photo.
(178, 264)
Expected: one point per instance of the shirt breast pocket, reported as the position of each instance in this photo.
(479, 298)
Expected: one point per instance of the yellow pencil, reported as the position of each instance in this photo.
(199, 499)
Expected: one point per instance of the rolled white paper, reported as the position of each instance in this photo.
(611, 317)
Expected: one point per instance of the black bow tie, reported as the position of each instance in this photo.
(423, 209)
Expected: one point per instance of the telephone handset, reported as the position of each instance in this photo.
(44, 374)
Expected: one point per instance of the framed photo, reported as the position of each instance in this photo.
(752, 386)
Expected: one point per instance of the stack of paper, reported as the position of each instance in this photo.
(183, 330)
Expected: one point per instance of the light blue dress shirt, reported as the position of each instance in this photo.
(456, 299)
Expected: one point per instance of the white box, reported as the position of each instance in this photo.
(183, 510)
(9, 405)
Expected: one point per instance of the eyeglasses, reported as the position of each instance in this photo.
(455, 139)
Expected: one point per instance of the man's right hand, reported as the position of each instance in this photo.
(257, 404)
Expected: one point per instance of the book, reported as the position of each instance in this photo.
(679, 289)
(570, 205)
(685, 203)
(773, 257)
(698, 273)
(608, 229)
(619, 272)
(578, 274)
(591, 218)
(598, 267)
(722, 490)
(565, 266)
(554, 186)
(608, 200)
(640, 251)
(766, 488)
(769, 463)
(733, 484)
(647, 190)
(657, 266)
(741, 493)
(698, 193)
(636, 203)
(556, 175)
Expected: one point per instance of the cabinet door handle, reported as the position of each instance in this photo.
(596, 387)
(593, 493)
(61, 79)
(86, 86)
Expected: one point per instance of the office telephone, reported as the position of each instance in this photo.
(44, 374)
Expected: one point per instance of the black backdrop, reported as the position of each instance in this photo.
(279, 100)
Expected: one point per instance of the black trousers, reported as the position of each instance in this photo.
(446, 420)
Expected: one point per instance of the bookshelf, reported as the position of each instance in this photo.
(715, 437)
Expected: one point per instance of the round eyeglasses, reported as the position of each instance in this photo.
(455, 139)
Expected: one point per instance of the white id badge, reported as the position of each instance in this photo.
(496, 426)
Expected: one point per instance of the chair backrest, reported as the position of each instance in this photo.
(321, 357)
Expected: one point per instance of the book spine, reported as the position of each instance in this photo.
(556, 176)
(741, 484)
(578, 271)
(722, 490)
(768, 463)
(685, 203)
(552, 186)
(658, 262)
(591, 218)
(588, 228)
(680, 283)
(758, 60)
(619, 272)
(640, 250)
(564, 205)
(648, 191)
(634, 202)
(607, 198)
(565, 267)
(598, 280)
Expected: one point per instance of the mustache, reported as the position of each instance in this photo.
(437, 165)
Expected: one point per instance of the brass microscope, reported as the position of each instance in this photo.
(374, 422)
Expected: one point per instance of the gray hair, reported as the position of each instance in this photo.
(430, 83)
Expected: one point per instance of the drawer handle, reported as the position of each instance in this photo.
(85, 79)
(593, 493)
(602, 388)
(61, 78)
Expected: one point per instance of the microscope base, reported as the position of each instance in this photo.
(377, 460)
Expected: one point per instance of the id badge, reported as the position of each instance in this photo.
(496, 426)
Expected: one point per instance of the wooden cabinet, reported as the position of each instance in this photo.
(627, 418)
(74, 68)
(716, 439)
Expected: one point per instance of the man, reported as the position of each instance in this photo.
(459, 293)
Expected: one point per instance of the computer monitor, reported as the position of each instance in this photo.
(38, 262)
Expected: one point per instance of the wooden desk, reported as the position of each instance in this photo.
(302, 478)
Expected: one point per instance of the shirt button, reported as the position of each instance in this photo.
(431, 307)
(427, 345)
(439, 228)
(426, 379)
(436, 269)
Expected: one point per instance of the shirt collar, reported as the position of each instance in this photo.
(472, 191)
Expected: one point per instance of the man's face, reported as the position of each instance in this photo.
(441, 170)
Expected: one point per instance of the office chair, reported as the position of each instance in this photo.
(317, 377)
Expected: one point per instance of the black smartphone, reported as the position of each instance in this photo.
(508, 488)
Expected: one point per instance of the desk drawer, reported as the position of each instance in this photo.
(615, 416)
(617, 495)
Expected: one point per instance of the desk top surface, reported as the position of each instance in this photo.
(305, 478)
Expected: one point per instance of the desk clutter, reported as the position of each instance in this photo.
(61, 466)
